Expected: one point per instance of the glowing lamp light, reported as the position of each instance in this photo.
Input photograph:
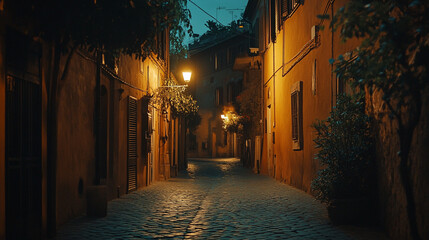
(187, 76)
(224, 117)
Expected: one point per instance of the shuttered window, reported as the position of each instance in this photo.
(295, 116)
(273, 20)
(284, 8)
(287, 7)
(132, 145)
(296, 113)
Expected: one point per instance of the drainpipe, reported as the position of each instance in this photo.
(332, 57)
(97, 121)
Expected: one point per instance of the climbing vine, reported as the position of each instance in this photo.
(175, 97)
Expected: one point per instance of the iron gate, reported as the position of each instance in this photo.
(23, 138)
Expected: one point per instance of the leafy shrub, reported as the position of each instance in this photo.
(344, 143)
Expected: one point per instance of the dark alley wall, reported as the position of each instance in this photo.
(2, 130)
(76, 139)
(392, 200)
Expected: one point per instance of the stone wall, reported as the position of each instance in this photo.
(392, 197)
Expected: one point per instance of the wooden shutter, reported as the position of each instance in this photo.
(273, 20)
(296, 113)
(284, 8)
(132, 145)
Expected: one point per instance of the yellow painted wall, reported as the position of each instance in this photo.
(298, 168)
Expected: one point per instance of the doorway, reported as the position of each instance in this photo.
(23, 139)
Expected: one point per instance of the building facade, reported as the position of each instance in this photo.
(299, 86)
(110, 140)
(216, 89)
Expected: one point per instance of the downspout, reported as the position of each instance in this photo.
(97, 121)
(274, 84)
(332, 57)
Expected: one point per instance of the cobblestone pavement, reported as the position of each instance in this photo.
(214, 199)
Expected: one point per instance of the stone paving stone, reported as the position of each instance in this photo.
(214, 199)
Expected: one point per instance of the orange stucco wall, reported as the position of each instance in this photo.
(76, 139)
(298, 168)
(76, 133)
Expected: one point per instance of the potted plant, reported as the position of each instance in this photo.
(344, 142)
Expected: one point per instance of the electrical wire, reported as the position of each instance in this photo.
(107, 70)
(310, 45)
(207, 13)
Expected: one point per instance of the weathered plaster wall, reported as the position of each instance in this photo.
(146, 76)
(76, 139)
(298, 168)
(207, 80)
(76, 142)
(44, 135)
(2, 132)
(391, 193)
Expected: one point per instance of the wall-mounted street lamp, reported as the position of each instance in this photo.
(187, 76)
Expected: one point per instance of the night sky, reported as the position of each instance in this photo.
(224, 15)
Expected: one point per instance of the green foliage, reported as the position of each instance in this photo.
(217, 31)
(193, 121)
(392, 56)
(116, 26)
(180, 25)
(344, 143)
(391, 60)
(181, 103)
(249, 107)
(232, 122)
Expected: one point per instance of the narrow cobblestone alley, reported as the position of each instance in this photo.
(216, 198)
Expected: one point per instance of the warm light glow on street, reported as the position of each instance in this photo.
(187, 76)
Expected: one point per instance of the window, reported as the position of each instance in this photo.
(110, 61)
(219, 96)
(229, 96)
(228, 56)
(296, 113)
(161, 40)
(216, 62)
(225, 138)
(267, 32)
(141, 63)
(147, 77)
(273, 20)
(288, 7)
